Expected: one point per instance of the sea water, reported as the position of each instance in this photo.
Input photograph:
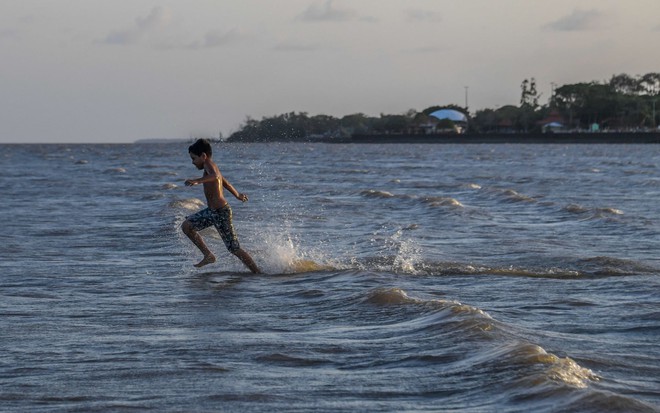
(471, 278)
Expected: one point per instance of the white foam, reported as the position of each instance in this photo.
(371, 193)
(187, 204)
(278, 252)
(568, 371)
(407, 257)
(440, 201)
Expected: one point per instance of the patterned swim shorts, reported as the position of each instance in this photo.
(221, 219)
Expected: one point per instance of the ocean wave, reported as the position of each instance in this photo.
(610, 266)
(591, 213)
(371, 193)
(572, 269)
(442, 202)
(600, 401)
(190, 204)
(576, 209)
(557, 369)
(569, 268)
(443, 268)
(611, 211)
(472, 324)
(514, 196)
(387, 296)
(655, 182)
(433, 201)
(508, 195)
(451, 314)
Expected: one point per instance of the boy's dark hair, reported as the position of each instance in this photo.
(201, 146)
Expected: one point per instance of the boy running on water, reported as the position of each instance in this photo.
(218, 212)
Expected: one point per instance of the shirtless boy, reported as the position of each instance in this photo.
(218, 212)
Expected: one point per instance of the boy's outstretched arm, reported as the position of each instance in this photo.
(202, 180)
(230, 188)
(211, 174)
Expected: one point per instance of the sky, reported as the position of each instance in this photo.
(100, 71)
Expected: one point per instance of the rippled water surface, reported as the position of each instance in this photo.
(476, 278)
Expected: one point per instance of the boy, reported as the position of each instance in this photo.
(218, 212)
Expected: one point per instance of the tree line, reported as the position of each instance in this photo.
(623, 103)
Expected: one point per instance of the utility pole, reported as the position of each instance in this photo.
(467, 111)
(553, 85)
(466, 98)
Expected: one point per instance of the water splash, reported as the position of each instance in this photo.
(189, 204)
(282, 253)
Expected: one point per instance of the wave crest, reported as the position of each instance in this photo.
(476, 325)
(440, 201)
(554, 369)
(389, 296)
(372, 193)
(188, 204)
(594, 213)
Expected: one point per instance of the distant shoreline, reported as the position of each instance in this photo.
(511, 138)
(630, 138)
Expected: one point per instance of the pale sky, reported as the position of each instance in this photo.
(123, 70)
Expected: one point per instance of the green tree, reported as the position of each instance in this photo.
(355, 123)
(570, 99)
(529, 97)
(529, 103)
(650, 84)
(323, 124)
(395, 123)
(623, 101)
(492, 120)
(485, 120)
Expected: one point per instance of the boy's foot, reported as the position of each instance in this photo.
(209, 259)
(248, 261)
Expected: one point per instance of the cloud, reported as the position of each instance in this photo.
(158, 19)
(157, 28)
(8, 34)
(297, 47)
(218, 38)
(578, 20)
(416, 15)
(327, 12)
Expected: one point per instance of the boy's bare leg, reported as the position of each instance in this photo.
(196, 239)
(247, 260)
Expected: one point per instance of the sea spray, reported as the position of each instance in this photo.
(408, 254)
(280, 252)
